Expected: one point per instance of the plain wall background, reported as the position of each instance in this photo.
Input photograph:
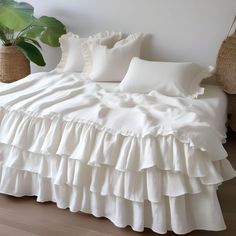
(178, 30)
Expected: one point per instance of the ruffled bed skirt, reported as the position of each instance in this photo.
(180, 214)
(153, 198)
(163, 182)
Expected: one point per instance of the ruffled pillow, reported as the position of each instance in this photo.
(106, 38)
(168, 78)
(72, 59)
(110, 64)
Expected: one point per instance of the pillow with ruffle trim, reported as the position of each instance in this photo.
(103, 63)
(168, 78)
(72, 59)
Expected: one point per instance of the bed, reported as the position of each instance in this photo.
(144, 160)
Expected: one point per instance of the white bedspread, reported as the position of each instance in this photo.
(140, 160)
(212, 104)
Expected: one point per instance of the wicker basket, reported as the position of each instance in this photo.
(226, 63)
(13, 64)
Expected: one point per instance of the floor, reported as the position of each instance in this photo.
(25, 217)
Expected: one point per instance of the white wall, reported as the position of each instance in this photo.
(179, 30)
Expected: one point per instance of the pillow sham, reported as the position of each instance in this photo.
(106, 39)
(168, 78)
(111, 64)
(72, 59)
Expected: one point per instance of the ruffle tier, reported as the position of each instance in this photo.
(180, 214)
(149, 184)
(90, 143)
(53, 133)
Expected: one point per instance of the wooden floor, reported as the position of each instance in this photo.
(25, 217)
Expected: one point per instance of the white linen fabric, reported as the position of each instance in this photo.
(107, 39)
(213, 103)
(169, 78)
(144, 160)
(72, 59)
(111, 64)
(109, 86)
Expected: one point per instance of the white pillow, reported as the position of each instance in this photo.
(106, 39)
(72, 58)
(71, 46)
(111, 64)
(168, 78)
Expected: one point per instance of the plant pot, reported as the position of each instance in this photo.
(13, 64)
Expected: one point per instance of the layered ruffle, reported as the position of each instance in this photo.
(95, 146)
(52, 134)
(161, 182)
(149, 184)
(38, 125)
(180, 214)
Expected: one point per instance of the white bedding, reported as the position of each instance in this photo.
(140, 160)
(213, 103)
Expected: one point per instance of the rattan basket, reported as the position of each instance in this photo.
(13, 64)
(226, 63)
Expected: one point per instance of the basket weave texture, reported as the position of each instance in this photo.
(13, 64)
(226, 64)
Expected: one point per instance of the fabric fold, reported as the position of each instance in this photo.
(180, 214)
(88, 143)
(148, 184)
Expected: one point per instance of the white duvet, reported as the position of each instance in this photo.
(144, 160)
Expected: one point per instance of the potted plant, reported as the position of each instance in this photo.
(20, 34)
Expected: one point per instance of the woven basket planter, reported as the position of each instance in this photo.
(13, 64)
(226, 63)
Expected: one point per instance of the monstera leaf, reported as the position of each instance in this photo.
(53, 30)
(31, 52)
(48, 30)
(15, 15)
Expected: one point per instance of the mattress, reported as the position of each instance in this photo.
(144, 160)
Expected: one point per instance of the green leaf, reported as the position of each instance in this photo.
(6, 35)
(31, 52)
(2, 33)
(34, 31)
(15, 15)
(53, 29)
(4, 2)
(33, 41)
